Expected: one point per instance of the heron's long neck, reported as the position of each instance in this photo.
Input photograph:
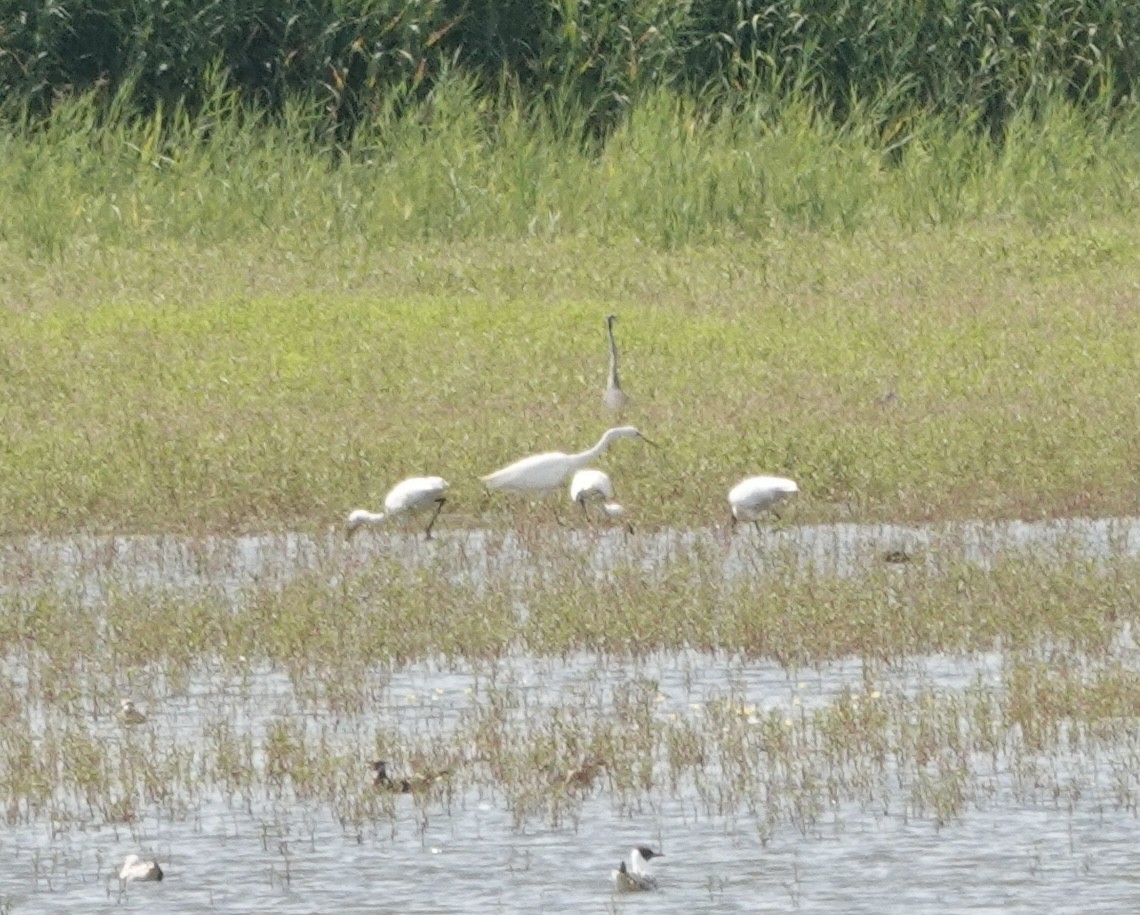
(613, 357)
(582, 458)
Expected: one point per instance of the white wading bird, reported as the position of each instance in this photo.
(595, 485)
(136, 869)
(415, 494)
(751, 497)
(636, 877)
(613, 398)
(540, 474)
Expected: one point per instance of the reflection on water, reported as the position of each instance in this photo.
(1063, 844)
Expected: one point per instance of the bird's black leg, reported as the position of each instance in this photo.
(435, 514)
(585, 513)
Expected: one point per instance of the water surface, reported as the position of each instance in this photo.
(1066, 844)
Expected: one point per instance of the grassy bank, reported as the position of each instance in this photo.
(228, 389)
(220, 328)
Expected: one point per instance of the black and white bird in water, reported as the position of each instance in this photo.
(635, 877)
(129, 713)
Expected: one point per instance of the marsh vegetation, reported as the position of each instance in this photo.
(781, 699)
(232, 314)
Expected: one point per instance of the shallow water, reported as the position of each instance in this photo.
(1011, 850)
(489, 558)
(1008, 859)
(1063, 845)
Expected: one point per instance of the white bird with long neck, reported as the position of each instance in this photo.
(540, 474)
(751, 497)
(613, 397)
(591, 485)
(636, 877)
(415, 494)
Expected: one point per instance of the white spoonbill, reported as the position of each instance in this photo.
(636, 877)
(541, 473)
(613, 398)
(134, 868)
(415, 494)
(753, 496)
(595, 485)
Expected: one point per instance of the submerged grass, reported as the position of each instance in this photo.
(1030, 735)
(346, 620)
(279, 697)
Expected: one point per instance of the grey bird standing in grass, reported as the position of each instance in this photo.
(614, 398)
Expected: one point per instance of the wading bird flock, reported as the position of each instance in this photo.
(541, 474)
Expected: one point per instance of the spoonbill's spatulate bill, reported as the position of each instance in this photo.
(410, 496)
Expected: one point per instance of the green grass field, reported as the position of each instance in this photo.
(235, 331)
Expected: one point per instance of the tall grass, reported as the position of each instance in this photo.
(963, 58)
(458, 167)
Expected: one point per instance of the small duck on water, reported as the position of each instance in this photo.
(129, 713)
(385, 782)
